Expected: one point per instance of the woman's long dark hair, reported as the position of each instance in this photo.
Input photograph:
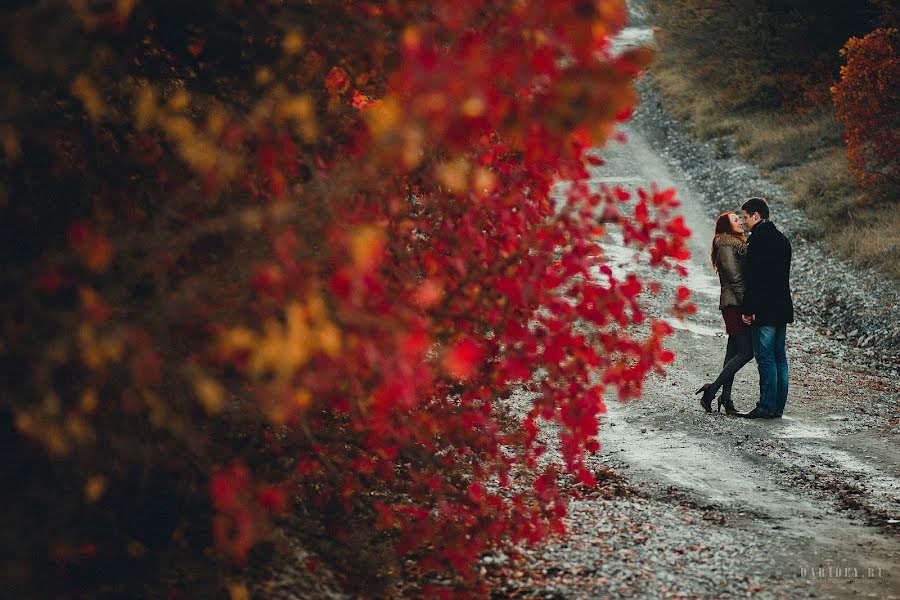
(723, 225)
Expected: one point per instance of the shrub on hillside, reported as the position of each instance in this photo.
(299, 254)
(867, 102)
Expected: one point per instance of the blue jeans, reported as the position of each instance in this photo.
(771, 360)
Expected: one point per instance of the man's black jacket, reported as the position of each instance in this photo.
(767, 276)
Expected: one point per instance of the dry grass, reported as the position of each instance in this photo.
(824, 186)
(773, 140)
(804, 151)
(872, 240)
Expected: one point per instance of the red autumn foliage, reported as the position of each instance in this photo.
(335, 264)
(867, 102)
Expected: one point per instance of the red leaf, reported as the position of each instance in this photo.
(272, 499)
(463, 359)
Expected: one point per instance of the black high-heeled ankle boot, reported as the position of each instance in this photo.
(707, 398)
(730, 410)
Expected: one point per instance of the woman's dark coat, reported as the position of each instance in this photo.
(730, 254)
(767, 289)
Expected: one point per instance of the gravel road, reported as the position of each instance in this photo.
(709, 506)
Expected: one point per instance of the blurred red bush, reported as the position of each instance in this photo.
(317, 243)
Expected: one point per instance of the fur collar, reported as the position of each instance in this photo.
(726, 239)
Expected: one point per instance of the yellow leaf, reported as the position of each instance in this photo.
(94, 488)
(111, 349)
(366, 245)
(77, 428)
(179, 101)
(413, 143)
(299, 108)
(264, 76)
(411, 37)
(483, 182)
(383, 117)
(329, 339)
(474, 106)
(454, 175)
(124, 8)
(55, 440)
(136, 549)
(88, 402)
(610, 9)
(302, 398)
(145, 107)
(309, 131)
(91, 350)
(293, 42)
(180, 129)
(25, 422)
(316, 308)
(297, 343)
(12, 145)
(238, 338)
(199, 154)
(215, 121)
(238, 591)
(268, 351)
(210, 393)
(251, 219)
(158, 412)
(85, 90)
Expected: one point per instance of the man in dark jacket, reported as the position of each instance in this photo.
(767, 306)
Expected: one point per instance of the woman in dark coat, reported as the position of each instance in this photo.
(729, 249)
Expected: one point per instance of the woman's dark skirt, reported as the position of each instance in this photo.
(733, 323)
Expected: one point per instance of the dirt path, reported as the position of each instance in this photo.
(713, 506)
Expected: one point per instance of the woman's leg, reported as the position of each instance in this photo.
(741, 348)
(730, 352)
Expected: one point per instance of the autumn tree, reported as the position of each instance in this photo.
(297, 256)
(867, 102)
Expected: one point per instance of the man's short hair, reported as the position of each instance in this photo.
(757, 205)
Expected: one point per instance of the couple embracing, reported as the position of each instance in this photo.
(756, 305)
